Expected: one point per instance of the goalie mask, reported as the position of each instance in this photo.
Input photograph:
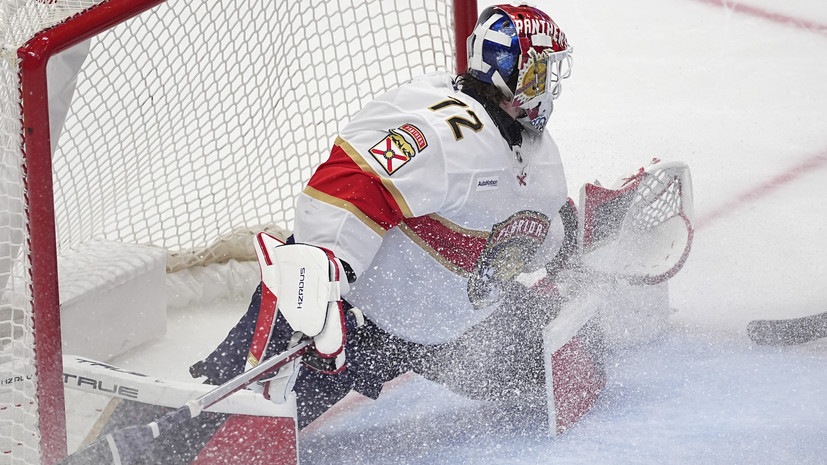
(521, 51)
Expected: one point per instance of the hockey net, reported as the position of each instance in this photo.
(193, 125)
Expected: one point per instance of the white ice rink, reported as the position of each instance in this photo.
(737, 91)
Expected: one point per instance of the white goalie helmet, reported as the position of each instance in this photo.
(521, 50)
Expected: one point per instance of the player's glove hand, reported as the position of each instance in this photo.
(306, 284)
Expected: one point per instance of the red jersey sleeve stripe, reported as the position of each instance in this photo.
(343, 182)
(363, 165)
(337, 202)
(456, 248)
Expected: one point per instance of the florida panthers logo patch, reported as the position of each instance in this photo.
(510, 247)
(394, 151)
(416, 134)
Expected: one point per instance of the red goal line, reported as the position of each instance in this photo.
(769, 15)
(811, 163)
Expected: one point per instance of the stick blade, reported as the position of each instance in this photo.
(211, 438)
(98, 452)
(787, 332)
(122, 447)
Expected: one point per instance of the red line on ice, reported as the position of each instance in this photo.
(812, 163)
(769, 15)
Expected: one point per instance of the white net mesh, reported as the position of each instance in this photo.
(216, 123)
(19, 435)
(191, 125)
(659, 198)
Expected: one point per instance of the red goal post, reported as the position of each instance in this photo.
(190, 121)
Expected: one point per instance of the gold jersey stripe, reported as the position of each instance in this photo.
(453, 268)
(459, 229)
(364, 166)
(337, 202)
(441, 259)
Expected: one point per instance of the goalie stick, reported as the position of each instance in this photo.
(126, 446)
(789, 331)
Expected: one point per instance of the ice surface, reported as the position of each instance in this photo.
(740, 97)
(684, 400)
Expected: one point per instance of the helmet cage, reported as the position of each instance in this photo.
(539, 84)
(521, 51)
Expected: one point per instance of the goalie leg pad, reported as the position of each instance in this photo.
(230, 356)
(374, 358)
(501, 358)
(574, 354)
(577, 377)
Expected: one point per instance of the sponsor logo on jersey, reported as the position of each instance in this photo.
(488, 184)
(393, 152)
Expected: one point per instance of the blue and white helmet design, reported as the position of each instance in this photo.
(521, 51)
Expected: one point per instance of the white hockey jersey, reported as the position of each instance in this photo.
(429, 204)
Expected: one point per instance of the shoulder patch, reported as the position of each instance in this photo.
(416, 134)
(394, 151)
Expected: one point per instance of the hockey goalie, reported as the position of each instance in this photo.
(439, 239)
